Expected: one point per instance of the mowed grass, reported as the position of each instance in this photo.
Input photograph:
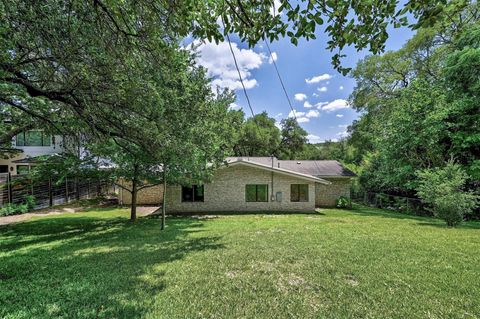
(360, 263)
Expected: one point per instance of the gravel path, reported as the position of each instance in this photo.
(6, 220)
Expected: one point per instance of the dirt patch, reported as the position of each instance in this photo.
(232, 274)
(351, 280)
(291, 282)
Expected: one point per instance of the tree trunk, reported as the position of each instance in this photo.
(133, 208)
(164, 204)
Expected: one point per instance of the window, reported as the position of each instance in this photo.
(22, 169)
(192, 194)
(299, 193)
(256, 193)
(33, 138)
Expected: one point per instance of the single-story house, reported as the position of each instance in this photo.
(264, 184)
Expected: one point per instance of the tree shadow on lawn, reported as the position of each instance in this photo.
(422, 220)
(87, 267)
(442, 224)
(374, 211)
(206, 214)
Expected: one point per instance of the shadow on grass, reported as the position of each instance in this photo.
(464, 225)
(373, 211)
(422, 220)
(237, 213)
(83, 267)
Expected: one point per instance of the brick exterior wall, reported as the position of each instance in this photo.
(147, 196)
(226, 193)
(327, 194)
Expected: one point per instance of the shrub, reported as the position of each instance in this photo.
(11, 208)
(343, 202)
(30, 202)
(443, 189)
(8, 209)
(382, 200)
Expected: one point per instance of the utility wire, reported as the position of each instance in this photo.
(239, 73)
(281, 81)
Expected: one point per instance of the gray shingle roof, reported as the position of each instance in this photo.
(314, 168)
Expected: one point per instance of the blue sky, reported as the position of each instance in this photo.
(320, 104)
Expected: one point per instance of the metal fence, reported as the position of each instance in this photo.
(408, 205)
(50, 191)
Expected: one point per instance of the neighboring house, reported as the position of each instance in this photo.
(26, 146)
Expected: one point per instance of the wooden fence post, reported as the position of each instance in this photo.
(77, 194)
(66, 188)
(50, 195)
(9, 187)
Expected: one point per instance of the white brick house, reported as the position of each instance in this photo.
(264, 184)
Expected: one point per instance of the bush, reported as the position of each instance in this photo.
(12, 209)
(382, 200)
(343, 202)
(8, 209)
(443, 189)
(30, 202)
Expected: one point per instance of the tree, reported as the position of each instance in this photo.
(294, 137)
(418, 107)
(131, 168)
(443, 188)
(79, 58)
(258, 137)
(347, 23)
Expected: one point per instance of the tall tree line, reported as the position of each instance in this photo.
(420, 107)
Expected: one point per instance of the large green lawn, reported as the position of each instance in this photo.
(362, 263)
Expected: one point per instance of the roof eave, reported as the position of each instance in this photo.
(280, 171)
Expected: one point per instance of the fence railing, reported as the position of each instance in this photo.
(49, 191)
(408, 205)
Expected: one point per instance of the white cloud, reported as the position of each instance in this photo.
(338, 104)
(320, 104)
(315, 95)
(342, 134)
(314, 139)
(278, 125)
(312, 113)
(278, 115)
(343, 126)
(234, 106)
(272, 58)
(322, 89)
(318, 78)
(341, 87)
(303, 117)
(307, 104)
(218, 60)
(300, 96)
(339, 115)
(334, 140)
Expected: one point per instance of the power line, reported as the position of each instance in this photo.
(281, 81)
(239, 73)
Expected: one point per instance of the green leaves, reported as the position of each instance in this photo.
(420, 107)
(443, 188)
